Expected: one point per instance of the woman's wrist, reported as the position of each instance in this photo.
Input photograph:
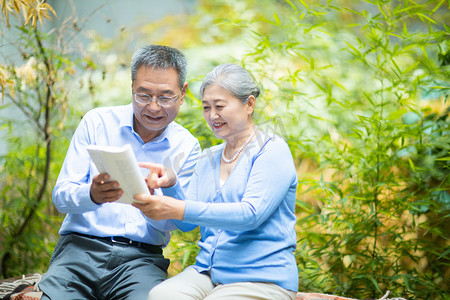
(176, 209)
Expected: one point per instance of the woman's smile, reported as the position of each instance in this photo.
(218, 125)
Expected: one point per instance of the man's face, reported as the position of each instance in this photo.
(151, 119)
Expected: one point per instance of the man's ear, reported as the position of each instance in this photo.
(183, 92)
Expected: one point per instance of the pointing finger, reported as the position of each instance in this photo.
(154, 168)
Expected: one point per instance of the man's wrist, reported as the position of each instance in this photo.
(92, 199)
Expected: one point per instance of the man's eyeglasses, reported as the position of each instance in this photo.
(163, 101)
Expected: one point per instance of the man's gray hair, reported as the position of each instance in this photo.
(234, 79)
(160, 57)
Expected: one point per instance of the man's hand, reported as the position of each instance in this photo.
(159, 176)
(160, 207)
(103, 191)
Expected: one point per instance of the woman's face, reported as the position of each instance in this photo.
(225, 114)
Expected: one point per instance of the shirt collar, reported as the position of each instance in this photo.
(127, 121)
(127, 118)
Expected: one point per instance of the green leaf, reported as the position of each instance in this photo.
(405, 29)
(411, 164)
(406, 281)
(375, 283)
(304, 3)
(447, 158)
(397, 114)
(277, 20)
(411, 67)
(421, 15)
(291, 4)
(444, 254)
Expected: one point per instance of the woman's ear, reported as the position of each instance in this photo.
(251, 102)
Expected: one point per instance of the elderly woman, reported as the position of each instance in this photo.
(242, 195)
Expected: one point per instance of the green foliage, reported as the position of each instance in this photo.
(37, 93)
(358, 89)
(182, 250)
(374, 215)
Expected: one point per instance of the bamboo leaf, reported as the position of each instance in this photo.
(438, 5)
(291, 4)
(397, 114)
(444, 254)
(406, 281)
(410, 67)
(304, 3)
(444, 158)
(411, 164)
(421, 15)
(277, 20)
(340, 86)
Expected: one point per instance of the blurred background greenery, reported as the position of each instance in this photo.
(359, 90)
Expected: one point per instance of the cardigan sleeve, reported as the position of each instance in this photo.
(192, 194)
(272, 176)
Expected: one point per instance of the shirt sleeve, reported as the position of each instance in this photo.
(184, 175)
(71, 193)
(265, 190)
(177, 191)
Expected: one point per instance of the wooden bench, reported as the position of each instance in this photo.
(25, 288)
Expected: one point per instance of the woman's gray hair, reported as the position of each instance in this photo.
(234, 79)
(160, 57)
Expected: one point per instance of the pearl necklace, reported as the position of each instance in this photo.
(228, 161)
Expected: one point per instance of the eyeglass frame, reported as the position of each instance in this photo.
(157, 99)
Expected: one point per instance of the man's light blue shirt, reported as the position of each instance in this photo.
(113, 126)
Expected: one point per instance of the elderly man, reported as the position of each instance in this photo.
(111, 250)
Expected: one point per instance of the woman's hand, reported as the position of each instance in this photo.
(159, 176)
(160, 207)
